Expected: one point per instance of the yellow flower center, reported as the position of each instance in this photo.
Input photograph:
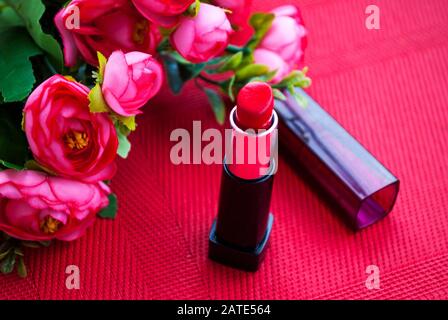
(140, 32)
(76, 140)
(50, 225)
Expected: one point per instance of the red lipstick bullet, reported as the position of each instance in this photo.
(255, 104)
(239, 236)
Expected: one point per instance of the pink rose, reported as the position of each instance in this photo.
(274, 62)
(240, 10)
(239, 18)
(130, 80)
(287, 36)
(287, 39)
(163, 12)
(104, 26)
(38, 207)
(64, 136)
(203, 37)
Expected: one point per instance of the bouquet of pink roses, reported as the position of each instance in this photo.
(67, 107)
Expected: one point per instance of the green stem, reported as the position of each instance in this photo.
(234, 49)
(214, 82)
(163, 45)
(50, 66)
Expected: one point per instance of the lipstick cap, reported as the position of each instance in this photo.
(349, 174)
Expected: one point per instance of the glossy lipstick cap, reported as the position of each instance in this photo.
(351, 176)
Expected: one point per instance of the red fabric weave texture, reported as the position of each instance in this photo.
(388, 87)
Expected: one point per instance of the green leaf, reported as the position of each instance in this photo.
(251, 71)
(301, 100)
(296, 78)
(187, 69)
(174, 78)
(193, 10)
(17, 78)
(9, 165)
(180, 71)
(102, 61)
(165, 32)
(124, 146)
(82, 73)
(110, 212)
(228, 88)
(21, 268)
(265, 77)
(30, 244)
(217, 60)
(5, 253)
(8, 263)
(261, 22)
(18, 252)
(218, 106)
(128, 122)
(291, 90)
(45, 243)
(191, 71)
(279, 95)
(247, 60)
(233, 62)
(13, 143)
(36, 166)
(31, 12)
(8, 18)
(70, 78)
(35, 244)
(178, 58)
(97, 102)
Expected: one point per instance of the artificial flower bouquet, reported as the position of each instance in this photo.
(74, 76)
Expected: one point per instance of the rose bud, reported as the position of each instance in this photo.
(130, 80)
(37, 207)
(163, 12)
(239, 18)
(89, 26)
(201, 38)
(274, 62)
(64, 136)
(287, 38)
(239, 10)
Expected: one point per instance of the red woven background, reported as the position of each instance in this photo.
(388, 87)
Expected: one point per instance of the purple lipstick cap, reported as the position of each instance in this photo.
(349, 174)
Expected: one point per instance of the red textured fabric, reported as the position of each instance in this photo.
(388, 87)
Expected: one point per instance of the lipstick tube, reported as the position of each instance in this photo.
(240, 234)
(349, 174)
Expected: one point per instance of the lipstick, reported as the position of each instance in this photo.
(351, 177)
(240, 234)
